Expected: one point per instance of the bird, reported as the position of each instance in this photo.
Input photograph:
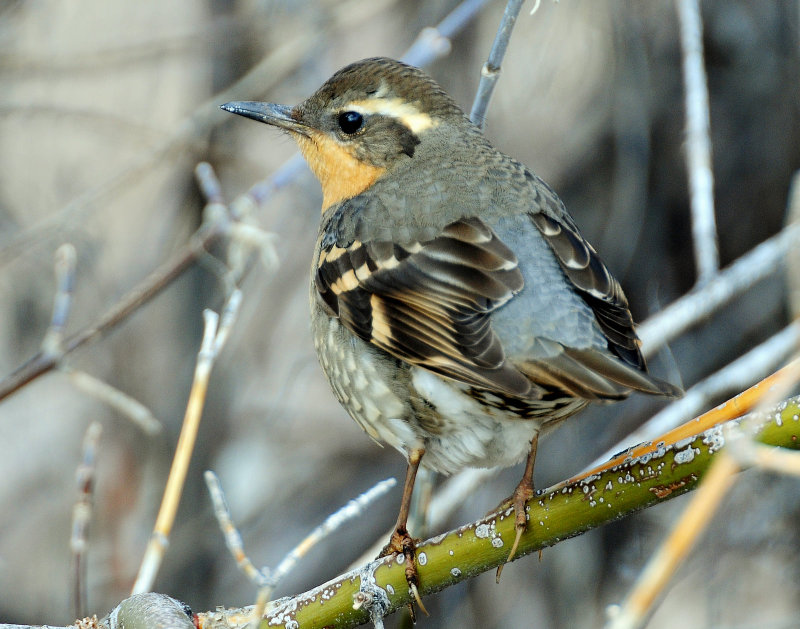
(456, 309)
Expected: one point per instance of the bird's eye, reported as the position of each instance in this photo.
(350, 122)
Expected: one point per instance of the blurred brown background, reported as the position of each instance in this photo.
(94, 151)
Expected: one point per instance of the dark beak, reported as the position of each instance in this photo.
(276, 115)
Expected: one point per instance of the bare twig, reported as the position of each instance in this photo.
(218, 222)
(233, 539)
(65, 284)
(213, 340)
(433, 42)
(151, 286)
(265, 579)
(698, 142)
(793, 257)
(351, 510)
(490, 72)
(130, 407)
(760, 262)
(81, 517)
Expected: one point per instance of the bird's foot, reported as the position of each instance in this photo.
(518, 500)
(402, 543)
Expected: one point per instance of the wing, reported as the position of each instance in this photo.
(603, 294)
(429, 303)
(595, 284)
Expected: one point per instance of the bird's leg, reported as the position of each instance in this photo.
(401, 541)
(522, 493)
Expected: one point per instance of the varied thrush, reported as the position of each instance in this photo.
(456, 309)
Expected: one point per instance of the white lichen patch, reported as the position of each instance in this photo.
(685, 456)
(438, 538)
(456, 572)
(390, 589)
(422, 559)
(714, 439)
(489, 531)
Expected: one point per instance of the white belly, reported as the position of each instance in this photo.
(471, 434)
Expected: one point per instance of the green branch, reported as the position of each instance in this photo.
(553, 516)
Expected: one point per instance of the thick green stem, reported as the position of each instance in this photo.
(553, 516)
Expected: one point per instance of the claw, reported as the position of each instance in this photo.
(522, 493)
(415, 593)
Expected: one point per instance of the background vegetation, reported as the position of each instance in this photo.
(95, 150)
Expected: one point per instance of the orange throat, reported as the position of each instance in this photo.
(342, 176)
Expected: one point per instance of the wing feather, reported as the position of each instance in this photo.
(429, 303)
(594, 282)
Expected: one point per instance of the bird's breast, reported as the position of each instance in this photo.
(340, 174)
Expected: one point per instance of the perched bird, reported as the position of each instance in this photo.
(455, 307)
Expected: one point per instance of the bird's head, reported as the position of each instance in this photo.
(364, 121)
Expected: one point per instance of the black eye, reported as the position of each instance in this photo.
(350, 122)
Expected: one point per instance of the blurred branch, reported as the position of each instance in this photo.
(214, 338)
(152, 285)
(793, 258)
(663, 563)
(128, 406)
(81, 517)
(490, 72)
(433, 42)
(760, 262)
(265, 579)
(233, 539)
(219, 221)
(64, 271)
(351, 510)
(698, 142)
